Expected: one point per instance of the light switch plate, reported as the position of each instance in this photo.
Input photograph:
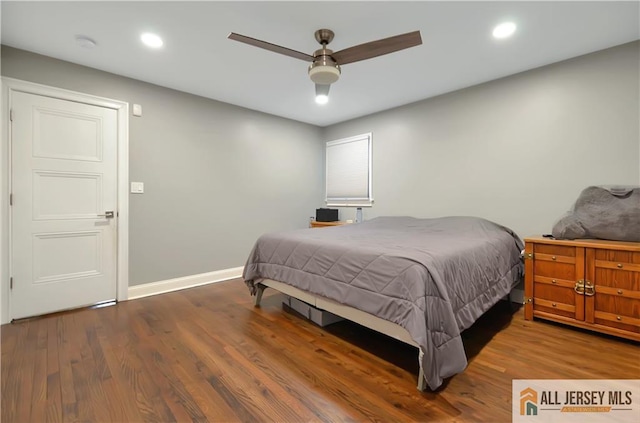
(137, 187)
(137, 110)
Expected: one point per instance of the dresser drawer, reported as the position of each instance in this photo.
(619, 313)
(617, 273)
(627, 260)
(544, 270)
(622, 280)
(554, 250)
(553, 299)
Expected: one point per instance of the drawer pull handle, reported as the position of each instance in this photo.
(579, 288)
(554, 281)
(620, 291)
(553, 257)
(553, 304)
(619, 265)
(618, 318)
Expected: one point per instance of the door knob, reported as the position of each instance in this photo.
(107, 215)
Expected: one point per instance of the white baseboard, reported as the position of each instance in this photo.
(161, 287)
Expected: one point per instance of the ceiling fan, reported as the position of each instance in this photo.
(325, 64)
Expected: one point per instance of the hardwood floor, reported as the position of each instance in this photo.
(206, 354)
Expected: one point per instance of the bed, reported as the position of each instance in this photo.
(422, 281)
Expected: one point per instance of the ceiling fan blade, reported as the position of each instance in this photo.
(271, 47)
(377, 48)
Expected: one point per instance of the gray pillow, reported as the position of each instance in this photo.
(605, 212)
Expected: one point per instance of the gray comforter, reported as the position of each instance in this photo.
(433, 277)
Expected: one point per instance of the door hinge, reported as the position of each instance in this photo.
(11, 115)
(11, 199)
(527, 300)
(11, 282)
(527, 256)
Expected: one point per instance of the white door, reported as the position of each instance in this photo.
(63, 181)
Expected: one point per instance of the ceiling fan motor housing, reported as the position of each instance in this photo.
(324, 70)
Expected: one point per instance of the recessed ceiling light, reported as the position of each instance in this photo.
(151, 40)
(84, 41)
(504, 30)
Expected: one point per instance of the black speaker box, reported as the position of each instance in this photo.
(326, 215)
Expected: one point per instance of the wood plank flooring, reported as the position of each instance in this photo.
(206, 354)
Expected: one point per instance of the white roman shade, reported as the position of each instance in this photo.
(349, 171)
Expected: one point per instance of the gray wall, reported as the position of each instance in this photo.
(216, 176)
(516, 150)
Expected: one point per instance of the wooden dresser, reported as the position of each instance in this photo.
(592, 284)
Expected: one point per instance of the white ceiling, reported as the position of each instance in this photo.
(458, 49)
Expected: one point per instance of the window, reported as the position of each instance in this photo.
(349, 171)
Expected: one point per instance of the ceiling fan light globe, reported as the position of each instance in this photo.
(322, 93)
(322, 99)
(324, 75)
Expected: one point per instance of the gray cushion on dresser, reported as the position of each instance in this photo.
(604, 212)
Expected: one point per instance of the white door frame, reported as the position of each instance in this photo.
(9, 86)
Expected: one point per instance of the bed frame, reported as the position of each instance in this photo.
(365, 319)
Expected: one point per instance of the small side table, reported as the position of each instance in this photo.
(316, 224)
